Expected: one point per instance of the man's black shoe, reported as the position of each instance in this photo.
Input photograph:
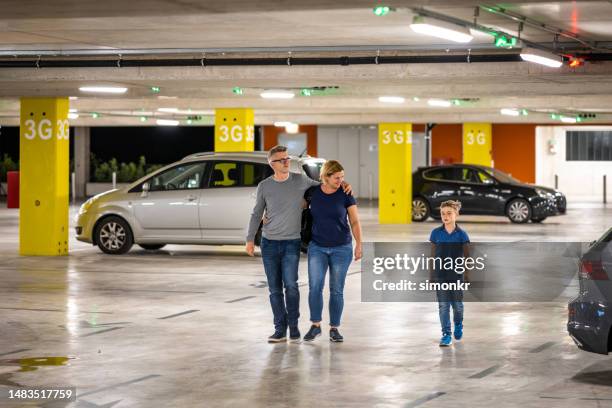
(312, 333)
(294, 334)
(278, 337)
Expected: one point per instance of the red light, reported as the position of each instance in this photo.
(593, 270)
(576, 62)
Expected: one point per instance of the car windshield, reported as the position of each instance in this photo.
(500, 175)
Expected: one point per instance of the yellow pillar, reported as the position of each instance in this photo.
(234, 130)
(477, 144)
(43, 185)
(395, 173)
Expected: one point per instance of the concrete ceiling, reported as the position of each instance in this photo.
(234, 29)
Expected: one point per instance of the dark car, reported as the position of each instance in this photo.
(482, 190)
(589, 317)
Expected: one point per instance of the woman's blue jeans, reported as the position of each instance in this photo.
(337, 259)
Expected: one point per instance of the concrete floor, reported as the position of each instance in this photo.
(186, 327)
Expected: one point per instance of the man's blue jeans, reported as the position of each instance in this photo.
(337, 259)
(281, 259)
(446, 300)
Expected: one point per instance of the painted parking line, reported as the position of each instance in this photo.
(146, 290)
(101, 331)
(179, 314)
(424, 399)
(486, 372)
(110, 387)
(240, 299)
(543, 347)
(49, 310)
(14, 352)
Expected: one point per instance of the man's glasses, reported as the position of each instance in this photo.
(283, 160)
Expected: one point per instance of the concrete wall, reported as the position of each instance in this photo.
(356, 147)
(579, 180)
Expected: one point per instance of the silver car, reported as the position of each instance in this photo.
(206, 198)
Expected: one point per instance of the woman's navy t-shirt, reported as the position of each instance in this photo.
(330, 226)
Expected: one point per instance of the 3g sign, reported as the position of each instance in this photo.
(44, 129)
(480, 138)
(396, 136)
(236, 133)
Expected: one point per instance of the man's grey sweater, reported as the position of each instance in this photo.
(282, 202)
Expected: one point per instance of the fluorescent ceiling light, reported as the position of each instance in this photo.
(282, 124)
(104, 89)
(292, 128)
(167, 122)
(568, 119)
(509, 112)
(72, 110)
(391, 99)
(73, 98)
(167, 110)
(541, 57)
(73, 115)
(439, 102)
(440, 29)
(277, 94)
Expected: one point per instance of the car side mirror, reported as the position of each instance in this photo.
(145, 189)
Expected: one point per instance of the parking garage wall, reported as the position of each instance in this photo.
(580, 180)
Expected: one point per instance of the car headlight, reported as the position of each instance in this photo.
(542, 193)
(86, 206)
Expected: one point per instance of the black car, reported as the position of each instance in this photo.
(589, 319)
(482, 190)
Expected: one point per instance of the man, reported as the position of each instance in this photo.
(281, 196)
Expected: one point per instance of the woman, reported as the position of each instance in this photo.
(331, 247)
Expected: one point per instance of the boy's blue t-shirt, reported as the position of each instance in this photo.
(330, 226)
(448, 246)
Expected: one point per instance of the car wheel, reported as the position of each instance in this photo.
(518, 211)
(152, 247)
(114, 236)
(538, 220)
(420, 209)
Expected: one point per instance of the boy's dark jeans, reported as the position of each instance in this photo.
(281, 259)
(446, 300)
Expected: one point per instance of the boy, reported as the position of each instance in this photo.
(449, 241)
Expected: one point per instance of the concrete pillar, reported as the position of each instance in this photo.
(234, 130)
(43, 186)
(478, 144)
(81, 159)
(395, 173)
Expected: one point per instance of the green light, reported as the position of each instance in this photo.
(524, 112)
(456, 102)
(381, 10)
(189, 121)
(238, 90)
(143, 118)
(578, 119)
(554, 116)
(306, 92)
(416, 99)
(95, 115)
(155, 89)
(501, 41)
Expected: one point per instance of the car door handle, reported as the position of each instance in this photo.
(191, 197)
